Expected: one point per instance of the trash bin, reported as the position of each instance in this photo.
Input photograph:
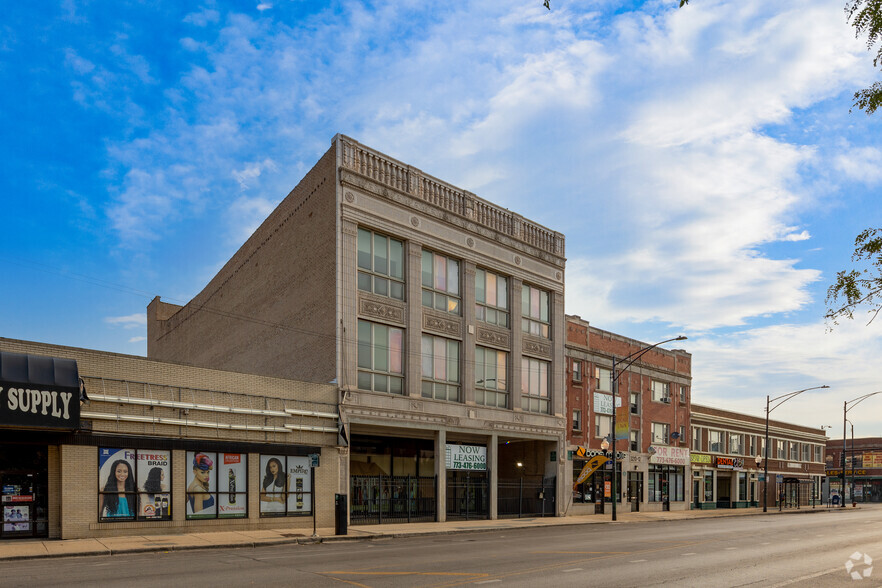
(835, 500)
(341, 514)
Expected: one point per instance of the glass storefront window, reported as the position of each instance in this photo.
(286, 486)
(134, 484)
(216, 485)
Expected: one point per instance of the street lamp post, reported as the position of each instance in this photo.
(845, 408)
(851, 424)
(614, 376)
(783, 398)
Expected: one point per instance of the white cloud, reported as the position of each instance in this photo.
(862, 164)
(264, 6)
(739, 369)
(202, 18)
(137, 339)
(131, 321)
(252, 171)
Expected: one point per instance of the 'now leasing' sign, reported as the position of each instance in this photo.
(466, 457)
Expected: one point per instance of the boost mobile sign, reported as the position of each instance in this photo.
(39, 392)
(466, 457)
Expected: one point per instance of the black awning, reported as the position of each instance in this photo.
(19, 368)
(39, 392)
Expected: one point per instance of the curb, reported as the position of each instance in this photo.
(394, 535)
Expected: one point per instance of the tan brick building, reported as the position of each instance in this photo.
(127, 459)
(652, 421)
(438, 316)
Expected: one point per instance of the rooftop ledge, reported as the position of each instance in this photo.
(407, 179)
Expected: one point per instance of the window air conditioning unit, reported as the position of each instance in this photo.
(666, 400)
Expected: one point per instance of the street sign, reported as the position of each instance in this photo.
(314, 460)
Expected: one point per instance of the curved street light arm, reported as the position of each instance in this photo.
(790, 395)
(859, 399)
(639, 353)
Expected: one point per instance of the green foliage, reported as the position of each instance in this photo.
(858, 287)
(866, 18)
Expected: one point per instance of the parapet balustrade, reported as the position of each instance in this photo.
(407, 179)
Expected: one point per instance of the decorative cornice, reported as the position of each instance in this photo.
(441, 325)
(380, 309)
(495, 338)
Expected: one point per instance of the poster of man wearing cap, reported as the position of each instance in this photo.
(201, 485)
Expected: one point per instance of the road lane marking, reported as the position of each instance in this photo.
(488, 581)
(730, 548)
(637, 560)
(572, 570)
(691, 553)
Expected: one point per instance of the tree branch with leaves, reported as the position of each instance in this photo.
(860, 287)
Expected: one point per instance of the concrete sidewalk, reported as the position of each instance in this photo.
(36, 548)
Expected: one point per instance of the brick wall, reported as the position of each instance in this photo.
(286, 269)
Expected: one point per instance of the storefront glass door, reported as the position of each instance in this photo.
(24, 505)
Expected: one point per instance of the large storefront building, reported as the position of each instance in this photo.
(652, 423)
(863, 469)
(96, 444)
(437, 315)
(727, 461)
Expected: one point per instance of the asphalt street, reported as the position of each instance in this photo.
(798, 550)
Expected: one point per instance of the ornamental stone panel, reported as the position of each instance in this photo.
(493, 338)
(382, 309)
(441, 325)
(534, 347)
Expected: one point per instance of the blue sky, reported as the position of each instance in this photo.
(702, 162)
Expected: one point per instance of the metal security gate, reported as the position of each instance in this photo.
(392, 499)
(525, 497)
(468, 495)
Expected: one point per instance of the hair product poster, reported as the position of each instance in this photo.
(117, 498)
(154, 479)
(232, 475)
(299, 485)
(201, 485)
(273, 483)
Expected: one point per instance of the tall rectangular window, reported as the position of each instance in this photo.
(661, 391)
(536, 311)
(491, 377)
(380, 264)
(736, 443)
(806, 452)
(602, 426)
(577, 370)
(440, 282)
(684, 393)
(696, 439)
(715, 441)
(661, 433)
(604, 379)
(794, 451)
(635, 440)
(440, 368)
(779, 449)
(534, 385)
(380, 358)
(577, 421)
(819, 454)
(491, 298)
(635, 403)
